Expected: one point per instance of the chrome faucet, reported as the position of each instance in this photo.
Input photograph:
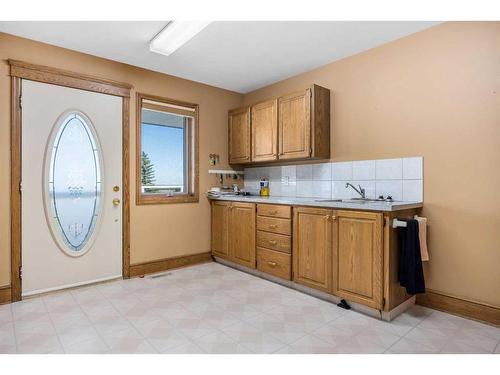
(361, 191)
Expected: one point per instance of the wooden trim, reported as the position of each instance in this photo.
(21, 70)
(15, 192)
(160, 265)
(126, 188)
(169, 109)
(66, 78)
(459, 306)
(193, 155)
(5, 294)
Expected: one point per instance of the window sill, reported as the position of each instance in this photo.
(163, 199)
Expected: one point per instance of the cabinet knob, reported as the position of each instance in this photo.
(273, 226)
(273, 242)
(272, 264)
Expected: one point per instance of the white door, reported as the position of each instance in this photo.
(71, 187)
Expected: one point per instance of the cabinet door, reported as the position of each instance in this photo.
(242, 234)
(358, 258)
(294, 115)
(312, 247)
(239, 135)
(265, 131)
(220, 228)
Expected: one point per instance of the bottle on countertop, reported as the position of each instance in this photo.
(264, 187)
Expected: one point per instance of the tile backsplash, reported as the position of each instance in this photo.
(400, 178)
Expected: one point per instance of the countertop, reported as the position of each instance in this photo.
(317, 202)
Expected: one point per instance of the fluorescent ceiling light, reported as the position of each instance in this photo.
(174, 35)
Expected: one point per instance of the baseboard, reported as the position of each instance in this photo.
(160, 265)
(461, 307)
(5, 294)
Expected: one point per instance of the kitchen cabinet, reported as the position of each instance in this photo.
(233, 232)
(242, 234)
(274, 240)
(351, 254)
(358, 257)
(292, 127)
(264, 129)
(313, 232)
(239, 136)
(220, 228)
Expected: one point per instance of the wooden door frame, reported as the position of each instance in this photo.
(20, 70)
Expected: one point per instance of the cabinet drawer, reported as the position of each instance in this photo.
(273, 241)
(274, 263)
(274, 225)
(274, 210)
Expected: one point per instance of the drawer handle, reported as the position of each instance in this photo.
(273, 226)
(273, 212)
(272, 264)
(273, 242)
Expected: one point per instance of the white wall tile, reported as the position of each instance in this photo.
(288, 174)
(322, 172)
(251, 174)
(275, 188)
(304, 172)
(289, 190)
(342, 171)
(304, 188)
(363, 170)
(322, 189)
(413, 190)
(393, 188)
(412, 168)
(389, 169)
(274, 173)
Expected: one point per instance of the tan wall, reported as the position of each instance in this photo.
(436, 94)
(158, 231)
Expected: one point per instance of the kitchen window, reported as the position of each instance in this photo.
(167, 151)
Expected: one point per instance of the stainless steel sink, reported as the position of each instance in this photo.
(353, 200)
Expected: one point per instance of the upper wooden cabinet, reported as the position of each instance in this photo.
(239, 136)
(313, 233)
(264, 128)
(294, 126)
(358, 255)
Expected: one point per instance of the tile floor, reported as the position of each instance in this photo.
(211, 308)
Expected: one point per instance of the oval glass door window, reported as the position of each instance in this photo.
(74, 183)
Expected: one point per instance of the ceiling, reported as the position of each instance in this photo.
(236, 55)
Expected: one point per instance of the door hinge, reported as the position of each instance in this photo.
(20, 186)
(20, 101)
(310, 151)
(20, 272)
(383, 302)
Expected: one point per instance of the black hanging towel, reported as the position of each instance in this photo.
(411, 273)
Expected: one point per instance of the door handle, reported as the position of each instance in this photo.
(116, 202)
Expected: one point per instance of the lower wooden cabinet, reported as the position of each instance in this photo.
(233, 232)
(350, 254)
(274, 263)
(220, 228)
(313, 232)
(358, 258)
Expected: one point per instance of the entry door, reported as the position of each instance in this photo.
(71, 187)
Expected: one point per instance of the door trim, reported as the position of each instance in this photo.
(20, 70)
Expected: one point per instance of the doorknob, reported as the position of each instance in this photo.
(116, 202)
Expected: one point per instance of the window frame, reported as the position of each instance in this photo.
(192, 165)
